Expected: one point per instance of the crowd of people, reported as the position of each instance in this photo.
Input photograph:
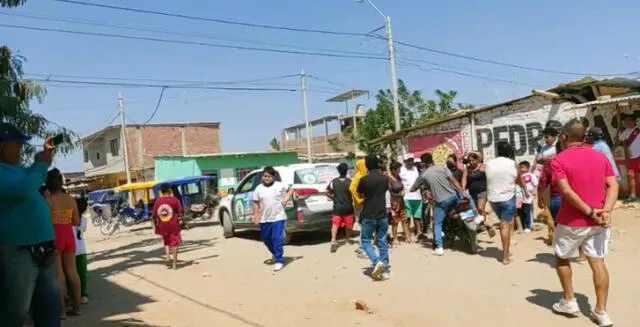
(43, 260)
(573, 177)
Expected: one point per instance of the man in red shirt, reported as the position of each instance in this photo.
(589, 190)
(167, 215)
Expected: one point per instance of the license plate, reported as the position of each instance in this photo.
(467, 214)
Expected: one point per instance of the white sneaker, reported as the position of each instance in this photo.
(566, 307)
(439, 252)
(527, 231)
(85, 300)
(377, 270)
(278, 267)
(602, 319)
(386, 275)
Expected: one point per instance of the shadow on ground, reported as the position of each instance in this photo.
(546, 299)
(114, 305)
(300, 238)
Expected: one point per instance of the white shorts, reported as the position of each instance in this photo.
(594, 241)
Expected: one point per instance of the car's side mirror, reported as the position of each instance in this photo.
(230, 191)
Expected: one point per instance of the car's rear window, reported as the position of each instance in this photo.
(315, 175)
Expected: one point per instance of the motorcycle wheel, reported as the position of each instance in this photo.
(97, 221)
(109, 227)
(208, 214)
(127, 221)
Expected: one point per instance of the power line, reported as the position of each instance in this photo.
(494, 62)
(155, 110)
(213, 45)
(486, 78)
(247, 81)
(171, 32)
(224, 88)
(294, 29)
(221, 21)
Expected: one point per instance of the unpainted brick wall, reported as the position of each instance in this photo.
(167, 141)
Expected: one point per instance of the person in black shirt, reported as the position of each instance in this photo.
(342, 216)
(452, 164)
(373, 188)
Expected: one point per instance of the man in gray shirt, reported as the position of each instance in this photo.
(446, 192)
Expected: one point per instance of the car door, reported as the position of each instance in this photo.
(242, 201)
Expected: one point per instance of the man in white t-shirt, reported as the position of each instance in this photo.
(409, 173)
(631, 140)
(502, 177)
(269, 200)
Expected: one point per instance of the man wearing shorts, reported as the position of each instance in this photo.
(412, 200)
(342, 216)
(589, 189)
(502, 177)
(167, 214)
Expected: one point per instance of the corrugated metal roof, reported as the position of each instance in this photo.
(608, 101)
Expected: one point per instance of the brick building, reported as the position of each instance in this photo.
(104, 156)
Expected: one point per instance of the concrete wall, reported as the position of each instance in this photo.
(519, 123)
(100, 159)
(178, 167)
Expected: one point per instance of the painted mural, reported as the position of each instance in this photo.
(440, 145)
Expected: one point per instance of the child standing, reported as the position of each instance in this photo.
(269, 200)
(81, 249)
(529, 187)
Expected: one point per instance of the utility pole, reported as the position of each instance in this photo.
(123, 136)
(394, 82)
(303, 81)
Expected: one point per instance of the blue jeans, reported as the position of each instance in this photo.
(272, 235)
(556, 201)
(23, 286)
(505, 210)
(440, 213)
(379, 227)
(526, 215)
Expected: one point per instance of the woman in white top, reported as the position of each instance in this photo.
(502, 177)
(269, 200)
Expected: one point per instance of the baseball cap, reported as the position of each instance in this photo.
(409, 156)
(10, 133)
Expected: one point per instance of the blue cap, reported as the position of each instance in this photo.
(9, 133)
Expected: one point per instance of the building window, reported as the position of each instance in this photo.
(98, 155)
(114, 146)
(242, 172)
(86, 155)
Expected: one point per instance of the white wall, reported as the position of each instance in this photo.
(520, 123)
(108, 163)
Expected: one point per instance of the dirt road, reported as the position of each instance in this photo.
(224, 282)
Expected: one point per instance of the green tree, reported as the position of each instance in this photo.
(414, 109)
(16, 94)
(274, 144)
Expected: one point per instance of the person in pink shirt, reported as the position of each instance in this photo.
(589, 190)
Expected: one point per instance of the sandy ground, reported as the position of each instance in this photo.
(224, 282)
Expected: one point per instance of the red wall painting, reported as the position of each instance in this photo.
(440, 145)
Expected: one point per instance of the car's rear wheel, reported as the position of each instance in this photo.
(227, 225)
(287, 237)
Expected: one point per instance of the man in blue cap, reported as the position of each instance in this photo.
(27, 255)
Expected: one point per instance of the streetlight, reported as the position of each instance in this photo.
(392, 69)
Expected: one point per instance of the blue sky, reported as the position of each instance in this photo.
(557, 35)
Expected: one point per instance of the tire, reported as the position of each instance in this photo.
(109, 227)
(227, 226)
(97, 220)
(287, 237)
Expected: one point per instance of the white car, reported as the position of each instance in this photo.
(309, 210)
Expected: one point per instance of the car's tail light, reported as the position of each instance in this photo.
(304, 193)
(300, 216)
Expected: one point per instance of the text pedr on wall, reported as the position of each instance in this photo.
(519, 122)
